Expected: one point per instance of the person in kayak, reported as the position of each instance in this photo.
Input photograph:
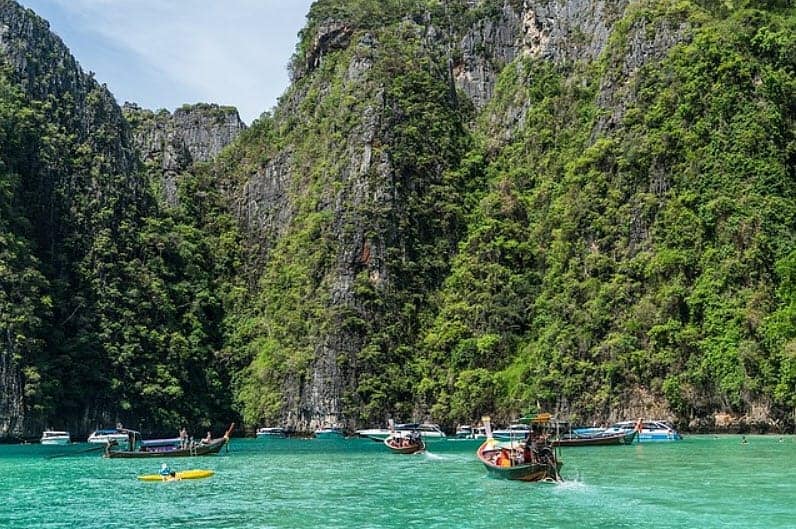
(166, 473)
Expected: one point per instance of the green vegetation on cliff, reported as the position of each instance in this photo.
(645, 258)
(603, 238)
(624, 244)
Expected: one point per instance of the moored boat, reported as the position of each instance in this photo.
(532, 459)
(597, 439)
(515, 432)
(271, 433)
(55, 437)
(329, 432)
(104, 436)
(185, 474)
(428, 431)
(166, 447)
(590, 430)
(465, 431)
(648, 431)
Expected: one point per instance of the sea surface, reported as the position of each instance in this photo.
(701, 482)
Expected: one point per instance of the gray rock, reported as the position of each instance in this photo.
(174, 142)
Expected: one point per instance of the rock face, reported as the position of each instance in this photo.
(560, 32)
(172, 143)
(355, 199)
(563, 33)
(484, 50)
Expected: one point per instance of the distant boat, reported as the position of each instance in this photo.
(271, 433)
(588, 430)
(515, 432)
(532, 459)
(465, 431)
(55, 437)
(107, 435)
(648, 432)
(597, 439)
(428, 431)
(167, 447)
(329, 432)
(405, 444)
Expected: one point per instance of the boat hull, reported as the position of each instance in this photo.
(532, 472)
(546, 468)
(397, 449)
(55, 442)
(597, 440)
(185, 474)
(329, 433)
(211, 448)
(271, 433)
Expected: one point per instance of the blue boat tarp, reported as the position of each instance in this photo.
(161, 442)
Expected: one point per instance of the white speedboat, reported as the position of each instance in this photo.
(515, 432)
(55, 437)
(271, 433)
(107, 435)
(329, 432)
(649, 431)
(428, 431)
(466, 431)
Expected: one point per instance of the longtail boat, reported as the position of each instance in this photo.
(161, 449)
(530, 459)
(402, 444)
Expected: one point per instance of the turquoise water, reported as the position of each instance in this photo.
(700, 482)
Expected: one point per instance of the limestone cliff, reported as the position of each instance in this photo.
(456, 209)
(348, 170)
(172, 143)
(344, 57)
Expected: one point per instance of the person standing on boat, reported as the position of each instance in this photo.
(183, 437)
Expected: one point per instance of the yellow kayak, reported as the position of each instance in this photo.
(185, 474)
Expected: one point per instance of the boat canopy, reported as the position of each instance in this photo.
(539, 418)
(161, 442)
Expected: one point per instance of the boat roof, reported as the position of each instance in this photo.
(55, 432)
(417, 426)
(494, 444)
(663, 424)
(161, 442)
(107, 431)
(539, 418)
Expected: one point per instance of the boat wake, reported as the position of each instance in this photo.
(434, 457)
(574, 485)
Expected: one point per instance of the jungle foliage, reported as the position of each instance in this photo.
(593, 255)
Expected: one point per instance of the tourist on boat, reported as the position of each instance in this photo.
(183, 437)
(207, 439)
(503, 459)
(524, 455)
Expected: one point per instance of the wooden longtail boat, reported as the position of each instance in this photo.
(405, 444)
(199, 449)
(601, 439)
(532, 459)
